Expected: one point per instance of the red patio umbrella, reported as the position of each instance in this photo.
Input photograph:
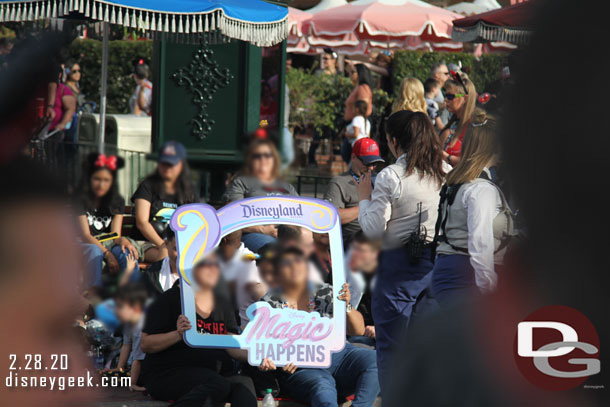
(510, 24)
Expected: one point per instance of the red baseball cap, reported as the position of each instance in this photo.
(367, 150)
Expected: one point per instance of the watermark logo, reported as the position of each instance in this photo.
(557, 348)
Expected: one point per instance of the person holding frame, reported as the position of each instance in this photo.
(353, 370)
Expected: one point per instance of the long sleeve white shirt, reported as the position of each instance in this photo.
(395, 198)
(483, 203)
(375, 213)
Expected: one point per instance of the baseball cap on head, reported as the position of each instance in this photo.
(171, 152)
(367, 150)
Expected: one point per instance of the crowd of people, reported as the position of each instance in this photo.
(426, 232)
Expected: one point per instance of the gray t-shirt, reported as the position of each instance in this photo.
(343, 193)
(247, 187)
(132, 335)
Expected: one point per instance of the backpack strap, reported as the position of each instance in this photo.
(447, 195)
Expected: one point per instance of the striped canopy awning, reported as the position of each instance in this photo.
(255, 21)
(509, 24)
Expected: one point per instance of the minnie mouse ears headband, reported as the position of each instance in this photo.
(456, 76)
(111, 162)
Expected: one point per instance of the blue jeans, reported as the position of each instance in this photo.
(121, 257)
(94, 260)
(363, 340)
(94, 263)
(254, 241)
(352, 371)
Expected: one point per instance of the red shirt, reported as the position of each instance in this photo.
(456, 148)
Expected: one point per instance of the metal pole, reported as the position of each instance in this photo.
(104, 83)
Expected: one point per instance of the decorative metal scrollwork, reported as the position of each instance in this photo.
(202, 78)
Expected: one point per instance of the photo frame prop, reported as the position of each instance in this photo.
(281, 334)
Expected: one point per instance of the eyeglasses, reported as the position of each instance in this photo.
(75, 71)
(451, 96)
(260, 156)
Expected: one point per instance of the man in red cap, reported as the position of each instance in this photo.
(342, 189)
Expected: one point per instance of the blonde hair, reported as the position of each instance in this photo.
(478, 148)
(471, 102)
(410, 96)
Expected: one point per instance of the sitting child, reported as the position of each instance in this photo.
(129, 308)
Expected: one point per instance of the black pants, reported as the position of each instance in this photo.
(193, 386)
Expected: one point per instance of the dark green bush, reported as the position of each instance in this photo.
(417, 64)
(122, 56)
(319, 100)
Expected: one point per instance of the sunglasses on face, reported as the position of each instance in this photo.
(75, 71)
(260, 156)
(451, 96)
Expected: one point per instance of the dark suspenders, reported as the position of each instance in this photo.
(448, 194)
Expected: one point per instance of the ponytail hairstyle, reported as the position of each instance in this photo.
(410, 96)
(461, 84)
(479, 146)
(364, 75)
(94, 163)
(417, 138)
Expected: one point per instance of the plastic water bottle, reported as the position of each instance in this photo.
(268, 400)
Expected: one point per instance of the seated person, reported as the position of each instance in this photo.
(361, 272)
(163, 274)
(158, 196)
(101, 213)
(289, 236)
(129, 308)
(240, 273)
(353, 370)
(259, 177)
(173, 370)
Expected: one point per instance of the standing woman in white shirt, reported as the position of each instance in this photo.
(401, 210)
(475, 222)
